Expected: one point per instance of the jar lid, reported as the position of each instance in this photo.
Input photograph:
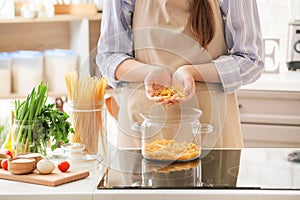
(159, 113)
(26, 54)
(5, 56)
(59, 52)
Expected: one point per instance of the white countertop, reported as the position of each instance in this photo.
(197, 194)
(77, 190)
(283, 81)
(87, 188)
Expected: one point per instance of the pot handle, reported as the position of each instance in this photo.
(205, 128)
(202, 128)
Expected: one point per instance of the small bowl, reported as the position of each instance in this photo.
(3, 156)
(73, 147)
(21, 165)
(74, 151)
(36, 156)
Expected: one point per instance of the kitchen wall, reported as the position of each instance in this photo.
(275, 16)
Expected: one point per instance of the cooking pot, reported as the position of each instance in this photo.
(174, 175)
(172, 134)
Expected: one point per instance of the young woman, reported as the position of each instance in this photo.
(207, 48)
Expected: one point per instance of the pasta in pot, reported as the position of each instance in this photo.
(171, 150)
(159, 167)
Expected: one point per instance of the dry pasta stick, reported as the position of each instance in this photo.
(87, 95)
(100, 94)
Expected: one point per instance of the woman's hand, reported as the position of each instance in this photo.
(184, 80)
(157, 78)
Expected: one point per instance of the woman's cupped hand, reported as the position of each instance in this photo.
(160, 77)
(183, 79)
(157, 78)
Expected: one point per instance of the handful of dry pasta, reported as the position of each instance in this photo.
(171, 150)
(167, 92)
(86, 96)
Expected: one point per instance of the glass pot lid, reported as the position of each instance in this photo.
(173, 114)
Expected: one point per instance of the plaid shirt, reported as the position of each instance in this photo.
(242, 65)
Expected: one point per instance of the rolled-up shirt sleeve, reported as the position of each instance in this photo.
(243, 64)
(115, 43)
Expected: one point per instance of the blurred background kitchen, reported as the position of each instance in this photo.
(44, 39)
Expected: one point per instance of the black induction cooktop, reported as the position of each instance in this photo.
(214, 169)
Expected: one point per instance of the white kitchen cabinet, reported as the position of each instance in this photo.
(270, 118)
(76, 32)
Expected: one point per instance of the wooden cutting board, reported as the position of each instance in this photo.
(54, 179)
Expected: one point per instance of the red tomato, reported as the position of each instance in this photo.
(63, 166)
(7, 152)
(4, 164)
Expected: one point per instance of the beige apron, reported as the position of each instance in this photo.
(162, 37)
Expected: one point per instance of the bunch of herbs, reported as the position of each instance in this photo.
(39, 123)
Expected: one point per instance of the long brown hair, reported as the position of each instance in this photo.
(201, 21)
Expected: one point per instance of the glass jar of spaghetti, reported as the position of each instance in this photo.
(88, 120)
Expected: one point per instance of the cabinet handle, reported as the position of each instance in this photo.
(240, 106)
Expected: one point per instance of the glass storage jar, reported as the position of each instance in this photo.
(59, 62)
(27, 70)
(89, 123)
(28, 137)
(5, 74)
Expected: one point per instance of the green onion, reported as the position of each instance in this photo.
(38, 122)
